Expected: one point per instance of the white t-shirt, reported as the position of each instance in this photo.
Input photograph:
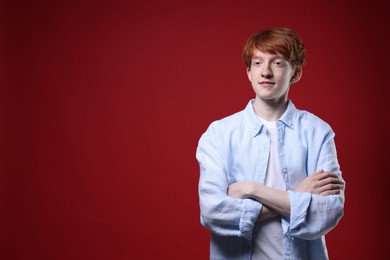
(268, 235)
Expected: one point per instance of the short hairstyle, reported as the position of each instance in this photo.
(283, 41)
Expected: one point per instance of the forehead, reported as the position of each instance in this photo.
(257, 54)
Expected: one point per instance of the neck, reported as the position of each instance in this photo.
(270, 110)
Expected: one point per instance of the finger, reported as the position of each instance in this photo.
(330, 189)
(333, 180)
(327, 181)
(318, 172)
(325, 175)
(318, 175)
(330, 192)
(336, 181)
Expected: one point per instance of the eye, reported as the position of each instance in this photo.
(278, 63)
(256, 63)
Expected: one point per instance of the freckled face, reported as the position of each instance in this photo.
(271, 76)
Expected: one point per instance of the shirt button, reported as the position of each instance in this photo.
(284, 170)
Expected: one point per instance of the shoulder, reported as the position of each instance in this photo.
(230, 121)
(310, 121)
(238, 122)
(298, 119)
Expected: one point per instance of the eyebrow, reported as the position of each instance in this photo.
(274, 56)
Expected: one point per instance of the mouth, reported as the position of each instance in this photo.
(266, 83)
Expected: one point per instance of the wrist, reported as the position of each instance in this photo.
(253, 190)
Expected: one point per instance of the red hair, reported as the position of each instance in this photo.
(283, 41)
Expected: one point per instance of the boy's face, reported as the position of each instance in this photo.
(271, 76)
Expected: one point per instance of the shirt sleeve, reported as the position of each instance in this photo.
(312, 216)
(220, 213)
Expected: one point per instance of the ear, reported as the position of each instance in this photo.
(248, 73)
(297, 76)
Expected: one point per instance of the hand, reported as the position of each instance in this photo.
(240, 190)
(322, 183)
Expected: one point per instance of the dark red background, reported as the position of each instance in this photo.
(103, 105)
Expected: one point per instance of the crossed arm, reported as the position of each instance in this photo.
(276, 202)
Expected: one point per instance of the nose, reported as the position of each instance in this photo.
(266, 72)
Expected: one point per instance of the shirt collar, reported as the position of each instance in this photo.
(287, 118)
(289, 115)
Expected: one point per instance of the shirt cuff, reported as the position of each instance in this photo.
(299, 206)
(249, 217)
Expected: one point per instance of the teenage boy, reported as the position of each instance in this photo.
(270, 184)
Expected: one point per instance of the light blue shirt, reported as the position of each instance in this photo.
(236, 149)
